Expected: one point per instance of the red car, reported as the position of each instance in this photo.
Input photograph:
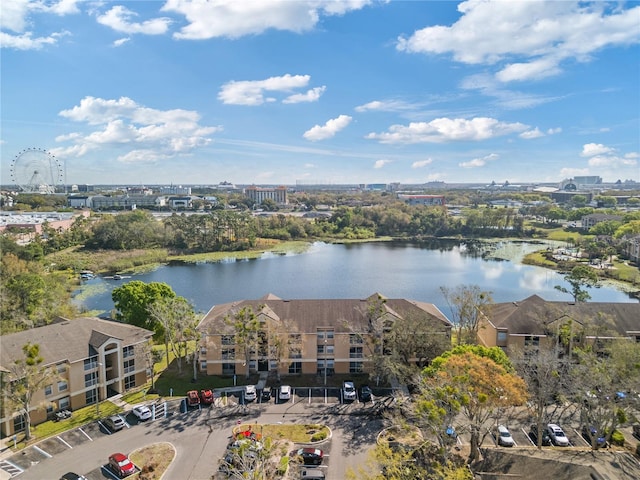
(206, 397)
(193, 398)
(121, 465)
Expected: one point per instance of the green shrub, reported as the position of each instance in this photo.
(617, 438)
(319, 436)
(283, 465)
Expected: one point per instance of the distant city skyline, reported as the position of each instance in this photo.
(318, 91)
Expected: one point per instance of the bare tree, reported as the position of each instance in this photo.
(247, 330)
(27, 377)
(468, 304)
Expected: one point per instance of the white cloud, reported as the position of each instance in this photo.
(529, 134)
(310, 96)
(118, 18)
(611, 161)
(234, 19)
(327, 130)
(251, 92)
(536, 37)
(16, 18)
(381, 163)
(553, 131)
(421, 163)
(121, 41)
(385, 106)
(148, 134)
(591, 149)
(479, 162)
(446, 130)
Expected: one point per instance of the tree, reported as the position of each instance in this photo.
(580, 277)
(475, 387)
(27, 377)
(132, 302)
(468, 304)
(247, 329)
(173, 318)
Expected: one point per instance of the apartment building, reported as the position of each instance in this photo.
(260, 194)
(93, 359)
(307, 336)
(535, 323)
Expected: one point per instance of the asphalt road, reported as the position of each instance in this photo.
(200, 437)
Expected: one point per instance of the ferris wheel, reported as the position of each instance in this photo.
(35, 170)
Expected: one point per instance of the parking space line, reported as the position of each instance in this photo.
(11, 468)
(85, 434)
(35, 447)
(68, 446)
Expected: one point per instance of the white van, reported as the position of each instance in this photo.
(312, 474)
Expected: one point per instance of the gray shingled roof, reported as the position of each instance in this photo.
(307, 315)
(532, 314)
(70, 340)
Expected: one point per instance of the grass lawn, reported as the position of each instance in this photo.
(153, 460)
(78, 418)
(293, 432)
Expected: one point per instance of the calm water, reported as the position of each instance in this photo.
(355, 271)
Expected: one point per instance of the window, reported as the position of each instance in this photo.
(91, 363)
(325, 334)
(49, 409)
(128, 351)
(329, 334)
(320, 348)
(129, 366)
(19, 424)
(295, 352)
(295, 367)
(329, 349)
(203, 365)
(355, 339)
(64, 403)
(228, 340)
(203, 351)
(62, 385)
(355, 367)
(502, 336)
(129, 382)
(90, 379)
(355, 352)
(48, 390)
(90, 396)
(228, 368)
(531, 341)
(61, 368)
(228, 353)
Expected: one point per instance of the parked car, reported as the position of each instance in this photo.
(250, 393)
(206, 397)
(348, 391)
(114, 423)
(312, 474)
(284, 392)
(504, 437)
(557, 435)
(533, 435)
(121, 465)
(142, 412)
(193, 398)
(451, 436)
(366, 395)
(72, 476)
(310, 456)
(265, 394)
(590, 432)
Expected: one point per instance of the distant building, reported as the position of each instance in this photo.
(175, 190)
(79, 201)
(181, 202)
(432, 200)
(131, 202)
(259, 194)
(631, 247)
(589, 221)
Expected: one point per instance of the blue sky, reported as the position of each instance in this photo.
(353, 91)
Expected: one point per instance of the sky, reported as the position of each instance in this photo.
(272, 92)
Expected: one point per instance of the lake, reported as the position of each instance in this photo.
(395, 270)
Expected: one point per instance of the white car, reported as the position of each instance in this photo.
(142, 412)
(348, 391)
(250, 393)
(504, 437)
(557, 435)
(285, 392)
